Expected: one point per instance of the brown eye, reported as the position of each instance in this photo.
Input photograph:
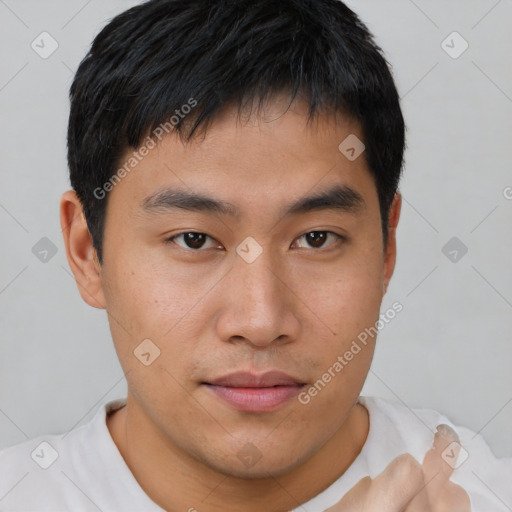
(317, 239)
(191, 240)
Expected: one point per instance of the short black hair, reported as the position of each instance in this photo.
(150, 61)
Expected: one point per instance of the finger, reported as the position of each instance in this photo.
(436, 472)
(437, 469)
(397, 486)
(441, 458)
(453, 498)
(419, 502)
(390, 491)
(354, 500)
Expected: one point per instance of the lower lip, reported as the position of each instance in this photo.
(256, 399)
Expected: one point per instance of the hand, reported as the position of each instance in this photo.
(407, 486)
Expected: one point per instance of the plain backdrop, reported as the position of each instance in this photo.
(450, 348)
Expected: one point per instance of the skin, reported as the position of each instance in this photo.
(407, 486)
(296, 308)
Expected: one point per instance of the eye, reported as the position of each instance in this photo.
(192, 240)
(317, 239)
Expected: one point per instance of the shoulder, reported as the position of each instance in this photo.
(56, 472)
(485, 477)
(34, 474)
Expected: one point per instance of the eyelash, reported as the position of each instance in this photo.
(339, 239)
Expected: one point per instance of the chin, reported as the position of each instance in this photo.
(250, 463)
(259, 471)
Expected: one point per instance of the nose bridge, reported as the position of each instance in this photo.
(259, 307)
(259, 285)
(259, 282)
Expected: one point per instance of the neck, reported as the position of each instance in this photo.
(176, 481)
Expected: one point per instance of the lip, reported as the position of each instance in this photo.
(251, 392)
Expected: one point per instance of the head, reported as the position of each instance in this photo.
(217, 213)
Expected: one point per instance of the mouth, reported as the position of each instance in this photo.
(250, 392)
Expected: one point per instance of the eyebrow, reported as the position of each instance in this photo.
(338, 197)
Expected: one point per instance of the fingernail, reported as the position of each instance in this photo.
(447, 432)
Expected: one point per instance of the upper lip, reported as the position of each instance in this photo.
(253, 380)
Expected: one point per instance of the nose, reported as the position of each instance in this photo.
(259, 306)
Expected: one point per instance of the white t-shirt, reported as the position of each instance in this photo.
(84, 471)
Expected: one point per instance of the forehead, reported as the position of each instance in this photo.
(267, 158)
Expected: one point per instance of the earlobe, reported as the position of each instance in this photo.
(390, 252)
(80, 252)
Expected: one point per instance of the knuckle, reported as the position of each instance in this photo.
(407, 470)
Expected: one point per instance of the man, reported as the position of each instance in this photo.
(235, 170)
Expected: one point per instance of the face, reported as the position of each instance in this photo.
(250, 293)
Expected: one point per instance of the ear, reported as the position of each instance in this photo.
(390, 249)
(82, 257)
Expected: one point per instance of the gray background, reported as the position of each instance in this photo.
(449, 349)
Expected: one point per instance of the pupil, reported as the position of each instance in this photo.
(194, 240)
(316, 238)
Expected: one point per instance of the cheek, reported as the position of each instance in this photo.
(346, 298)
(347, 302)
(160, 301)
(350, 310)
(150, 296)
